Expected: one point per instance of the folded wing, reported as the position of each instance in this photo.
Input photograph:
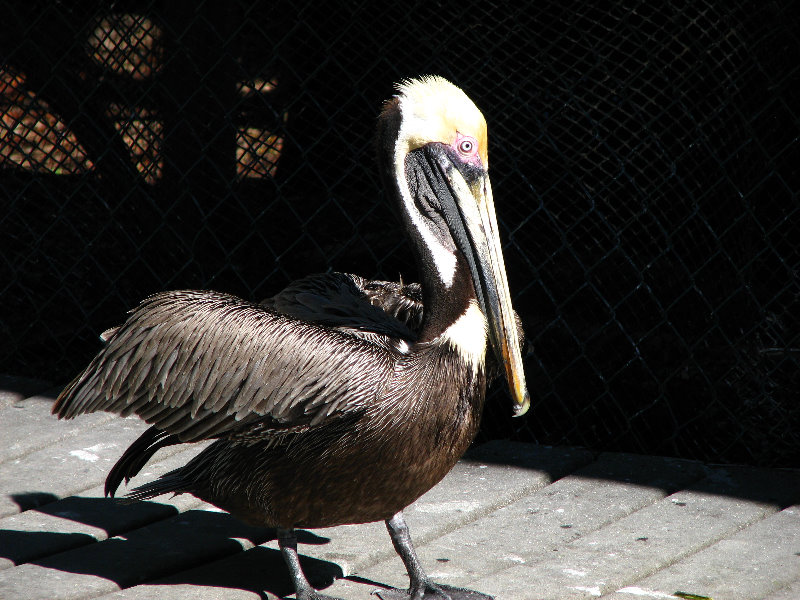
(197, 364)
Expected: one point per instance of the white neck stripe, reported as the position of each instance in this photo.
(467, 335)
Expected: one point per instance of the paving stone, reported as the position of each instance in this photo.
(520, 582)
(790, 592)
(13, 389)
(88, 517)
(28, 425)
(79, 463)
(754, 562)
(650, 539)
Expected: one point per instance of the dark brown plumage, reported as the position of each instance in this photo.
(339, 400)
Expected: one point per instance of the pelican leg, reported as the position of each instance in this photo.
(422, 588)
(287, 542)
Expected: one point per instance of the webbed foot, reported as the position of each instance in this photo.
(422, 588)
(431, 591)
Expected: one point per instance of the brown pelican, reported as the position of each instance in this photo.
(339, 400)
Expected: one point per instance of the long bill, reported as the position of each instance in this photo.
(476, 211)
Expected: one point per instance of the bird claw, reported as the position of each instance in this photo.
(431, 592)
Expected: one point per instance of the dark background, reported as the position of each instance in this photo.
(644, 161)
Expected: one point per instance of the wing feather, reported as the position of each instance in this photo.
(196, 364)
(366, 308)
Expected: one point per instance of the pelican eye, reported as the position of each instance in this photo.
(467, 146)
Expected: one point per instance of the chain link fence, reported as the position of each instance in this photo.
(645, 163)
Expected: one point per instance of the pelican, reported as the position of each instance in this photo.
(339, 400)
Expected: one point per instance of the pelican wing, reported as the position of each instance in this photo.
(353, 304)
(198, 364)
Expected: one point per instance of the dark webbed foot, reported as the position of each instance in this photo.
(432, 591)
(422, 588)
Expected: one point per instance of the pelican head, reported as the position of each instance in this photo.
(432, 143)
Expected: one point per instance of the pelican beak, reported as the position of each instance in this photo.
(472, 191)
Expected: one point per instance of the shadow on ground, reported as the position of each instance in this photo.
(197, 547)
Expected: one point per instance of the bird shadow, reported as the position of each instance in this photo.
(149, 542)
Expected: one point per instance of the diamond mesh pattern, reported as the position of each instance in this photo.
(644, 162)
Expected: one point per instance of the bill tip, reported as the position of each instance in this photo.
(522, 406)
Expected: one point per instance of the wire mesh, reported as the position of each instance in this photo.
(644, 160)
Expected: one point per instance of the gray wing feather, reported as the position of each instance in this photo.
(199, 363)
